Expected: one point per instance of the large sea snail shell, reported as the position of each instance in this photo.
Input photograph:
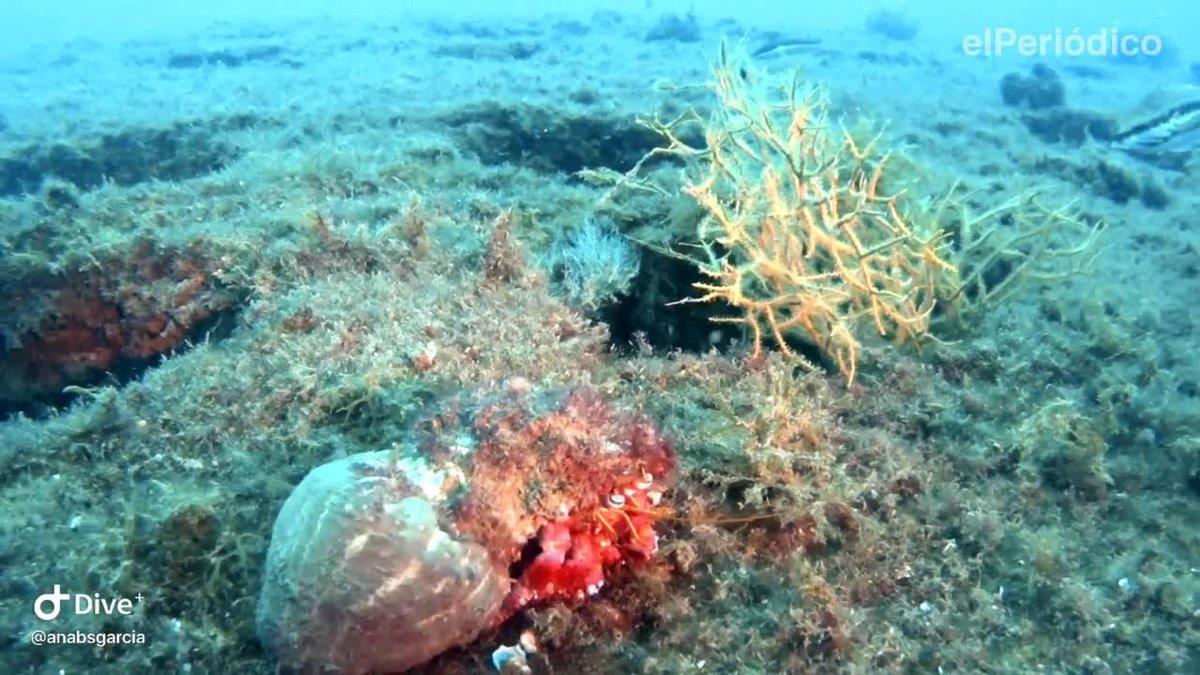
(360, 578)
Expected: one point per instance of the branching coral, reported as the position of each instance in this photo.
(800, 233)
(1001, 248)
(803, 234)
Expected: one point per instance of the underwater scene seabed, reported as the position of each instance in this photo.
(630, 344)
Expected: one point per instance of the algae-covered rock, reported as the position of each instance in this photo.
(1067, 450)
(360, 577)
(1043, 88)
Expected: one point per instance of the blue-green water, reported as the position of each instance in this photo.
(738, 339)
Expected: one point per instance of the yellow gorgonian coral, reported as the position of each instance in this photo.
(799, 233)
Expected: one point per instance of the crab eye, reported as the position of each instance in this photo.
(615, 500)
(646, 481)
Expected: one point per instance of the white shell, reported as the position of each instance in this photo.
(360, 578)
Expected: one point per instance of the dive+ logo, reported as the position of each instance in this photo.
(48, 606)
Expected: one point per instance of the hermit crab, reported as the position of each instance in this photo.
(379, 562)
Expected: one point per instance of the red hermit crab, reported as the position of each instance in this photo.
(380, 561)
(574, 551)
